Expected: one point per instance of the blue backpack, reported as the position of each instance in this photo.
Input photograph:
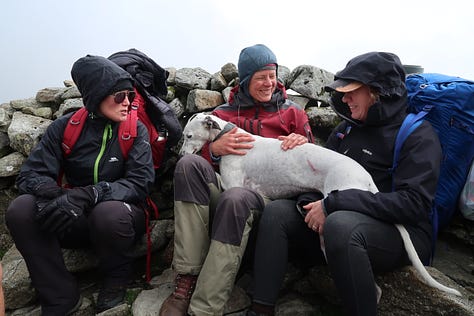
(448, 104)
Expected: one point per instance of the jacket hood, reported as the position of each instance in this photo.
(251, 60)
(381, 71)
(97, 77)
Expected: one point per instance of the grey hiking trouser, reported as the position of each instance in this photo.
(212, 229)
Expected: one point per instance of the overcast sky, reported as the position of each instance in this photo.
(41, 39)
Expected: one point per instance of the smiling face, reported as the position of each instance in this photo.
(359, 102)
(262, 85)
(116, 112)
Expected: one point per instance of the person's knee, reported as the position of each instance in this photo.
(237, 202)
(189, 162)
(337, 221)
(20, 211)
(278, 212)
(343, 229)
(111, 219)
(233, 214)
(232, 204)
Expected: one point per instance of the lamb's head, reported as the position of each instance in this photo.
(200, 129)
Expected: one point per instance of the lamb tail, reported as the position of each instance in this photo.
(418, 265)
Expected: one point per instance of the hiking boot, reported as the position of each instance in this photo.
(178, 302)
(110, 297)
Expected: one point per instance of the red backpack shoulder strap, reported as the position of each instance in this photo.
(73, 130)
(128, 128)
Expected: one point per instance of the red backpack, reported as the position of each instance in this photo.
(127, 131)
(127, 134)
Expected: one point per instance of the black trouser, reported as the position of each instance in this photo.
(282, 236)
(356, 246)
(111, 228)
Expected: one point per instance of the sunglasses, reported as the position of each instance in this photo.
(120, 96)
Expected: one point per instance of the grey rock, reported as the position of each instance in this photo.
(148, 302)
(26, 103)
(218, 82)
(202, 100)
(10, 165)
(229, 72)
(25, 131)
(4, 144)
(177, 107)
(70, 92)
(44, 112)
(283, 74)
(17, 288)
(170, 95)
(171, 81)
(5, 118)
(48, 94)
(226, 93)
(69, 105)
(310, 81)
(193, 78)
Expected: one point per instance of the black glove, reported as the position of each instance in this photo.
(49, 190)
(46, 192)
(62, 212)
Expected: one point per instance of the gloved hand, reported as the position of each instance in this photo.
(49, 190)
(46, 192)
(62, 212)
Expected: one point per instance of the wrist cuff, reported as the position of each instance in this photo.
(323, 205)
(100, 191)
(213, 158)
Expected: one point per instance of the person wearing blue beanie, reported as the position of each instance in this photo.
(215, 229)
(252, 59)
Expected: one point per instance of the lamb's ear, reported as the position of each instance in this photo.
(211, 124)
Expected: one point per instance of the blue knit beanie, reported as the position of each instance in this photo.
(253, 59)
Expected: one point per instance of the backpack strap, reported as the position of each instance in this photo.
(73, 130)
(151, 211)
(128, 128)
(410, 123)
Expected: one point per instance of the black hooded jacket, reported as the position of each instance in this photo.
(96, 156)
(371, 143)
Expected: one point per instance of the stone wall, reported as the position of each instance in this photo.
(22, 123)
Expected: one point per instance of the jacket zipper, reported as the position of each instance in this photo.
(105, 137)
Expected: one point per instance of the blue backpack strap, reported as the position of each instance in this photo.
(411, 122)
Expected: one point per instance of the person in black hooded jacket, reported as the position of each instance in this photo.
(102, 207)
(357, 226)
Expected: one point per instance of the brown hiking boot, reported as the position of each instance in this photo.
(178, 302)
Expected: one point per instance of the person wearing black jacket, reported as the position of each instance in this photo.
(101, 209)
(360, 239)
